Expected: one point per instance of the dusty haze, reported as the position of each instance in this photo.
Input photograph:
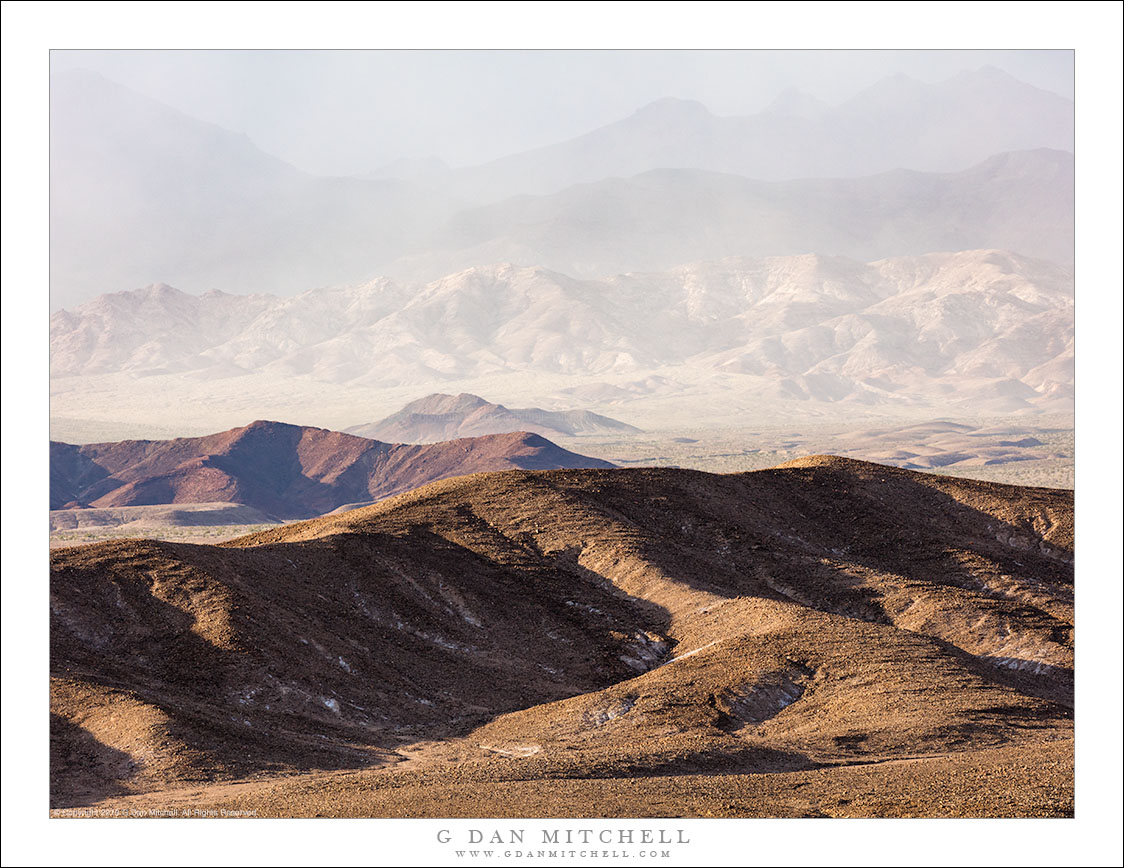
(726, 261)
(852, 239)
(347, 113)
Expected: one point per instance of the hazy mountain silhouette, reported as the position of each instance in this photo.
(446, 417)
(142, 193)
(1021, 202)
(897, 123)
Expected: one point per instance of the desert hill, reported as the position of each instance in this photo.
(284, 471)
(447, 417)
(638, 632)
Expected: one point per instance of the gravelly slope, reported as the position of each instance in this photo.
(639, 627)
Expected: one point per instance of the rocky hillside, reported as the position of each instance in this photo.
(284, 471)
(626, 627)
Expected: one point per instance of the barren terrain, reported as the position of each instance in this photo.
(1035, 451)
(284, 471)
(186, 522)
(666, 464)
(1010, 450)
(986, 330)
(830, 637)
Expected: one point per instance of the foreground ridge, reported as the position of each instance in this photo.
(829, 636)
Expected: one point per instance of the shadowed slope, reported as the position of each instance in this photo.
(287, 471)
(574, 624)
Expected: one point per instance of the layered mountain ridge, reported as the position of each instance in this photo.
(1022, 202)
(200, 207)
(897, 123)
(985, 329)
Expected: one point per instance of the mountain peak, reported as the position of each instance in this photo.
(440, 404)
(259, 424)
(85, 81)
(993, 73)
(447, 417)
(160, 293)
(891, 92)
(673, 107)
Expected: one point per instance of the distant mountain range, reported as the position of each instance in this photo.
(982, 329)
(142, 193)
(447, 417)
(284, 471)
(897, 123)
(1021, 202)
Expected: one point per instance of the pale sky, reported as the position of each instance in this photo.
(348, 112)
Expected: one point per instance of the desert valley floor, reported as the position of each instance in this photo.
(829, 637)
